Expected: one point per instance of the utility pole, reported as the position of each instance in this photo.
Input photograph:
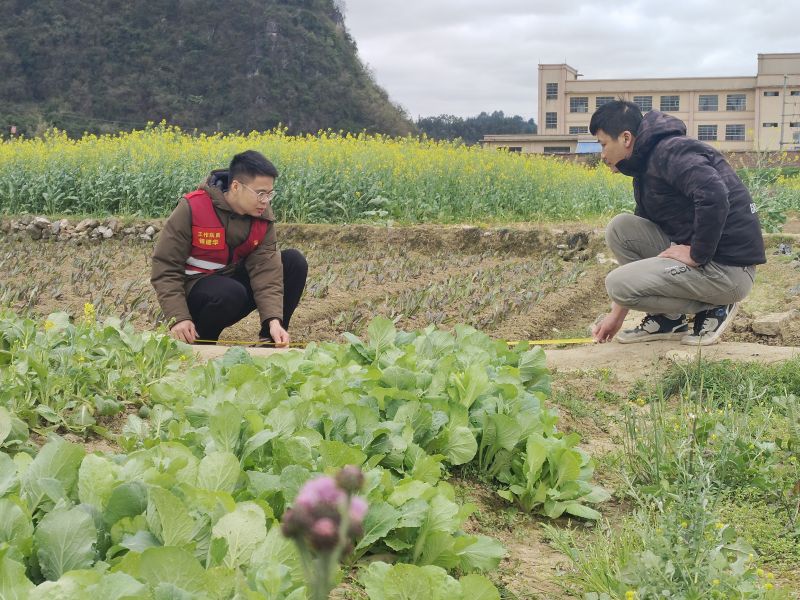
(783, 112)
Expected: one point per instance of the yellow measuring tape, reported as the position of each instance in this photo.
(554, 342)
(253, 343)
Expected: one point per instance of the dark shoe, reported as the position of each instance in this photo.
(655, 327)
(709, 325)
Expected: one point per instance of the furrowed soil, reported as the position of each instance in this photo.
(514, 283)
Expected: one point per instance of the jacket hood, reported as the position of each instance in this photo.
(655, 126)
(218, 178)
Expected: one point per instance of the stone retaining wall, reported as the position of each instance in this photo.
(64, 230)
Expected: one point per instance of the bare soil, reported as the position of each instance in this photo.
(359, 271)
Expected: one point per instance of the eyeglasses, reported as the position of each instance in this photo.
(261, 196)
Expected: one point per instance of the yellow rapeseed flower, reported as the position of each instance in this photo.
(89, 312)
(48, 325)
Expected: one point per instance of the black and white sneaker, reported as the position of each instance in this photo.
(655, 327)
(709, 325)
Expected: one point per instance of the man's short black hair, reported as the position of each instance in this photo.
(250, 164)
(615, 117)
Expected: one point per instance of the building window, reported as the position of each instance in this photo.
(709, 103)
(645, 103)
(736, 102)
(794, 124)
(515, 148)
(734, 133)
(707, 133)
(670, 103)
(796, 137)
(556, 149)
(550, 120)
(769, 124)
(603, 100)
(552, 91)
(579, 104)
(771, 93)
(794, 93)
(578, 129)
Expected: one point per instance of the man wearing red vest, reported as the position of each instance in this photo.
(217, 260)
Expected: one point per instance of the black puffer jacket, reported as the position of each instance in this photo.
(689, 190)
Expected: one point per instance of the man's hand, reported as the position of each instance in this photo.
(279, 335)
(681, 253)
(184, 331)
(605, 329)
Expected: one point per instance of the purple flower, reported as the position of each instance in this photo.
(324, 534)
(350, 479)
(358, 509)
(322, 490)
(296, 522)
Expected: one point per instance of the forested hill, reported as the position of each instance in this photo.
(106, 65)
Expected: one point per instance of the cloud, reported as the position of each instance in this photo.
(465, 56)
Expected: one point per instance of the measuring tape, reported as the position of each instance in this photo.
(253, 344)
(554, 342)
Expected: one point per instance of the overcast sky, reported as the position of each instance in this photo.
(462, 57)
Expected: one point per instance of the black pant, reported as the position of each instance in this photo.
(218, 301)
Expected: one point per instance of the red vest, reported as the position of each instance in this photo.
(210, 251)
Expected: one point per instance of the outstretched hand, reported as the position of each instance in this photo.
(606, 328)
(184, 331)
(279, 335)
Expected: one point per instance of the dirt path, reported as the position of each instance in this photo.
(628, 361)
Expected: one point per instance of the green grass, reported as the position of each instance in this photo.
(738, 383)
(710, 464)
(766, 527)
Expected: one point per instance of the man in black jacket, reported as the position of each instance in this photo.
(694, 240)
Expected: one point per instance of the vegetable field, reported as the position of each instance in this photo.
(484, 471)
(200, 461)
(131, 469)
(217, 452)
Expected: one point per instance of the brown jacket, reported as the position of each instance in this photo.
(174, 244)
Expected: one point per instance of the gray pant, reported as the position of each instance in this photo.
(655, 285)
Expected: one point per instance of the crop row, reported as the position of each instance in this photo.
(324, 178)
(217, 452)
(483, 298)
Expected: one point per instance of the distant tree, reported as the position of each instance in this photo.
(472, 129)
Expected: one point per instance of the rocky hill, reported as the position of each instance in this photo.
(108, 65)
